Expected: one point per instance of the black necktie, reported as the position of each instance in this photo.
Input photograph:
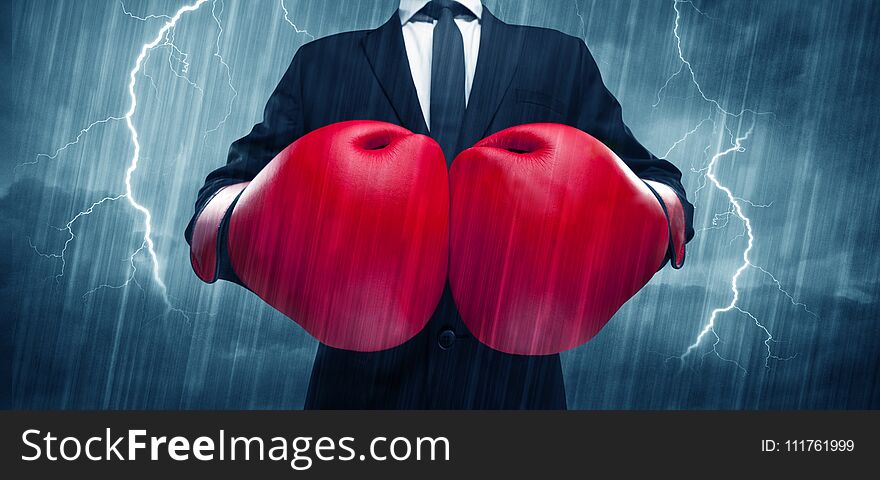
(447, 75)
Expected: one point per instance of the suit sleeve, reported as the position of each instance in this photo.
(599, 114)
(281, 125)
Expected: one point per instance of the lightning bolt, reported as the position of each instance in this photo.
(68, 228)
(54, 155)
(687, 135)
(143, 19)
(577, 11)
(178, 62)
(709, 326)
(686, 65)
(735, 209)
(133, 164)
(148, 242)
(583, 29)
(215, 14)
(290, 22)
(132, 272)
(164, 38)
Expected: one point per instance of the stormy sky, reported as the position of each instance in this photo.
(84, 318)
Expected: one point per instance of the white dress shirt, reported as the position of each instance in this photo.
(418, 37)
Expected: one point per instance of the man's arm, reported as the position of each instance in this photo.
(600, 115)
(282, 124)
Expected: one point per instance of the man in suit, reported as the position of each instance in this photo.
(451, 70)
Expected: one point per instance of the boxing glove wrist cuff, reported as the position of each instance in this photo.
(674, 212)
(207, 250)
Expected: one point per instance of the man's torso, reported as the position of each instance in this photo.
(523, 76)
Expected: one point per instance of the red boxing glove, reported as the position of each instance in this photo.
(550, 235)
(346, 232)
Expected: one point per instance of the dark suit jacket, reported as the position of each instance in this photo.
(523, 75)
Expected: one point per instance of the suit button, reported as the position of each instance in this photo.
(446, 339)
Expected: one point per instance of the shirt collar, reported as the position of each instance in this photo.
(408, 8)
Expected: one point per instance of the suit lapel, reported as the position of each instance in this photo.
(500, 47)
(386, 53)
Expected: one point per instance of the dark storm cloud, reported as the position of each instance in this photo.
(119, 348)
(835, 364)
